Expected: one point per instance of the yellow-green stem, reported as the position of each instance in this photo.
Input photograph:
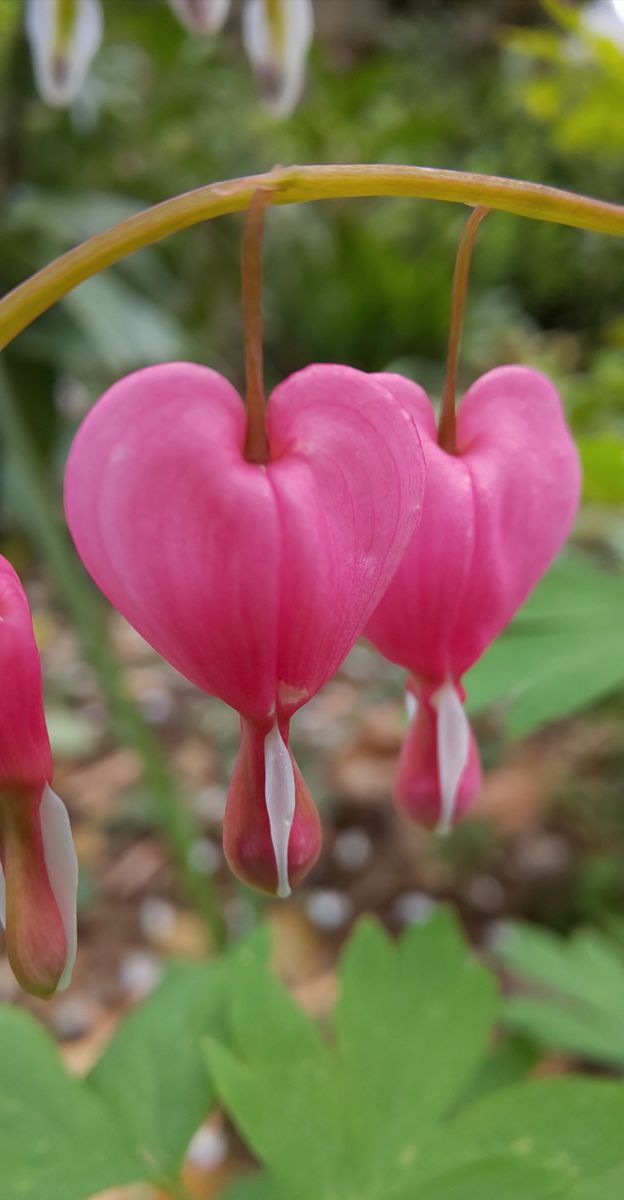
(291, 185)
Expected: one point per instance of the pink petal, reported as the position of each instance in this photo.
(347, 474)
(495, 515)
(254, 581)
(25, 755)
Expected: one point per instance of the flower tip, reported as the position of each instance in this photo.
(439, 773)
(271, 829)
(38, 885)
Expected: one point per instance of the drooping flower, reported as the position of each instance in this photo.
(201, 16)
(64, 36)
(277, 35)
(495, 514)
(38, 868)
(253, 579)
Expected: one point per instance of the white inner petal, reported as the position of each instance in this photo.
(411, 704)
(453, 749)
(62, 867)
(279, 794)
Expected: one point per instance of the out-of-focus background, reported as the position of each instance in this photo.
(509, 87)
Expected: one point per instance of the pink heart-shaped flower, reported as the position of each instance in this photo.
(38, 867)
(495, 514)
(253, 580)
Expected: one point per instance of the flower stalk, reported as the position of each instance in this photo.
(292, 185)
(256, 441)
(461, 274)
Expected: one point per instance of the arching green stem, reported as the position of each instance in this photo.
(291, 185)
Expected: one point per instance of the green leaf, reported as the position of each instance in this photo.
(261, 1186)
(564, 650)
(607, 1186)
(151, 1074)
(560, 1130)
(382, 1111)
(411, 1026)
(580, 1004)
(57, 1140)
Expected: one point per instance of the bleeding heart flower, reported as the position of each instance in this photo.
(64, 36)
(495, 514)
(277, 35)
(38, 868)
(253, 580)
(201, 16)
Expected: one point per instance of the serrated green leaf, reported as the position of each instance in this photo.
(411, 1026)
(580, 1004)
(57, 1139)
(151, 1074)
(564, 650)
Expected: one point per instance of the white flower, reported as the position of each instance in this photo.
(64, 35)
(605, 18)
(277, 36)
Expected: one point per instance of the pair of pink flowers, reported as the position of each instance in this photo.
(255, 579)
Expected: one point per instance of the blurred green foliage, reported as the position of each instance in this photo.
(366, 282)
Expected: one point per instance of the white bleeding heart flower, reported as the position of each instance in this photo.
(277, 36)
(64, 36)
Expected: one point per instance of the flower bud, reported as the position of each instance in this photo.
(38, 868)
(64, 36)
(277, 36)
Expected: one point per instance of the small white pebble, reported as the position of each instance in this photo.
(139, 974)
(205, 856)
(486, 893)
(352, 849)
(208, 1148)
(73, 1016)
(157, 705)
(328, 909)
(156, 917)
(210, 803)
(548, 854)
(413, 908)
